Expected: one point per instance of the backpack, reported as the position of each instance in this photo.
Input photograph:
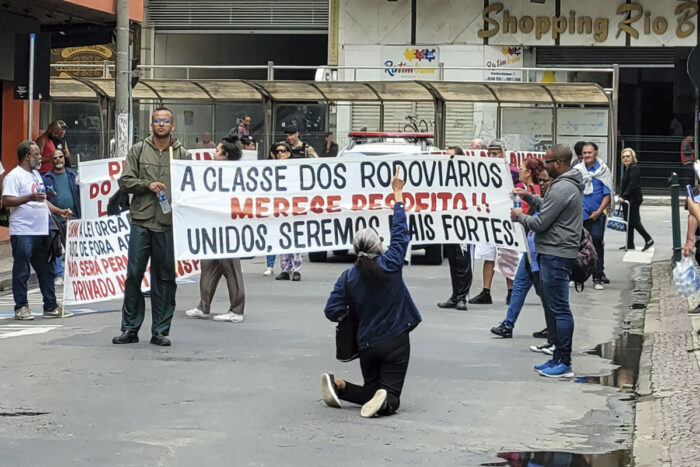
(586, 259)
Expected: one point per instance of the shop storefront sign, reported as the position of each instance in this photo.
(71, 61)
(641, 21)
(411, 62)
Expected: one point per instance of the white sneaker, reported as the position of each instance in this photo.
(24, 314)
(543, 348)
(56, 313)
(328, 391)
(58, 281)
(268, 272)
(571, 283)
(196, 313)
(374, 405)
(229, 316)
(598, 286)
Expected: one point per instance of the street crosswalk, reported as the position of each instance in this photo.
(36, 303)
(17, 330)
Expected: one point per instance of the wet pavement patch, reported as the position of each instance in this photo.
(624, 352)
(21, 413)
(621, 458)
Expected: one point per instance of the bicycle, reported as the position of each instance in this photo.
(416, 126)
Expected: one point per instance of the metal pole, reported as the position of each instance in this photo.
(675, 217)
(612, 132)
(30, 126)
(441, 71)
(697, 129)
(270, 70)
(123, 80)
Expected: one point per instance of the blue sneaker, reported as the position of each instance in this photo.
(546, 364)
(559, 370)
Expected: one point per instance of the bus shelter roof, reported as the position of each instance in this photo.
(298, 91)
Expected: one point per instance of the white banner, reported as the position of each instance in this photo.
(301, 205)
(208, 154)
(98, 182)
(96, 259)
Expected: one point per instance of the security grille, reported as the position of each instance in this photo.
(251, 15)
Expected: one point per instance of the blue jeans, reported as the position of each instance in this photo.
(271, 261)
(58, 268)
(521, 286)
(34, 250)
(555, 273)
(597, 230)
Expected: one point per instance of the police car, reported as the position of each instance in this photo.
(380, 143)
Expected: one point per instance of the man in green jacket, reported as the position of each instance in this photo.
(146, 176)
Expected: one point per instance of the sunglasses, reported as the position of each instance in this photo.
(625, 156)
(161, 120)
(547, 161)
(277, 151)
(56, 157)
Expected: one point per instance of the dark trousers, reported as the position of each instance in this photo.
(212, 270)
(460, 271)
(145, 244)
(384, 366)
(597, 230)
(634, 223)
(555, 273)
(34, 250)
(548, 316)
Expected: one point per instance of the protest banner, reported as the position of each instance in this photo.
(96, 259)
(208, 154)
(300, 205)
(513, 157)
(98, 181)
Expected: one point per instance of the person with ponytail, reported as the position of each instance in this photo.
(386, 315)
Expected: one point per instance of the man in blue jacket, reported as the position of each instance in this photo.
(61, 184)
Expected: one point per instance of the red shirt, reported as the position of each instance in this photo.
(48, 151)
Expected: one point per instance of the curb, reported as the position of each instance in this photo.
(6, 280)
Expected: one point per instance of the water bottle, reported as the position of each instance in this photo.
(517, 202)
(163, 200)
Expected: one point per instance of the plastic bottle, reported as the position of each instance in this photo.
(517, 201)
(163, 200)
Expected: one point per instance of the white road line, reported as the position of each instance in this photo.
(16, 330)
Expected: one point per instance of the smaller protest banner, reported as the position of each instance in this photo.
(98, 181)
(97, 257)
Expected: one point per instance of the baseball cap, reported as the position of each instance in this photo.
(289, 129)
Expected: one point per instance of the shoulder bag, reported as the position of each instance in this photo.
(346, 348)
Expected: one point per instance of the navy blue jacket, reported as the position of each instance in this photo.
(50, 180)
(384, 309)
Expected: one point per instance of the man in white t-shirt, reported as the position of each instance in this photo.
(24, 193)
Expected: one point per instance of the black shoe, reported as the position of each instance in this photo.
(648, 245)
(540, 334)
(626, 247)
(503, 330)
(296, 276)
(449, 303)
(126, 337)
(283, 276)
(160, 339)
(461, 305)
(604, 280)
(484, 298)
(510, 292)
(695, 311)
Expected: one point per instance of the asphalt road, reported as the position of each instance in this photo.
(248, 393)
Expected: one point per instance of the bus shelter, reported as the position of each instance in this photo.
(527, 115)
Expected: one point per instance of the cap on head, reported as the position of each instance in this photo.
(62, 124)
(290, 129)
(498, 145)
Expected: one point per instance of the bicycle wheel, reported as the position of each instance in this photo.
(423, 126)
(409, 128)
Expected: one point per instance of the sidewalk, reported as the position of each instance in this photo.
(667, 426)
(5, 260)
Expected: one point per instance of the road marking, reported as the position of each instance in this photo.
(16, 330)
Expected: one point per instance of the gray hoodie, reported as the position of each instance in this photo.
(558, 225)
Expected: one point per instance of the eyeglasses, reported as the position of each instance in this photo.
(56, 157)
(547, 161)
(277, 151)
(161, 120)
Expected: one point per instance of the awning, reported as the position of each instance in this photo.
(301, 91)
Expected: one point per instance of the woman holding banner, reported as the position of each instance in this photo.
(527, 274)
(375, 289)
(212, 269)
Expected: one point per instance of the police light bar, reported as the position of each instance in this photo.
(388, 134)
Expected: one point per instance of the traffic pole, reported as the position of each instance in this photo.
(123, 81)
(675, 217)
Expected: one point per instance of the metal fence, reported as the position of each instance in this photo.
(657, 157)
